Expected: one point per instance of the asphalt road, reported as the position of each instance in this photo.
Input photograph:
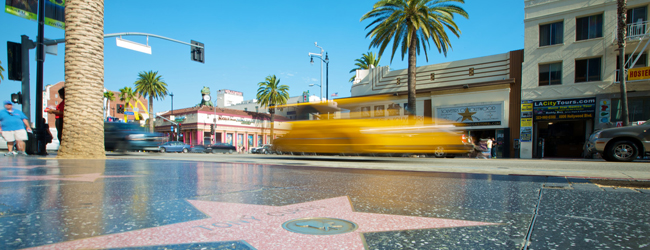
(585, 168)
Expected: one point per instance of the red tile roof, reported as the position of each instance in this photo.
(236, 112)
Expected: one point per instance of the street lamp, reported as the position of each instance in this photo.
(326, 61)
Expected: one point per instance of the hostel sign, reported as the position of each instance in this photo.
(638, 73)
(566, 109)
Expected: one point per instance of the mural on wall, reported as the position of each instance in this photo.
(251, 141)
(259, 141)
(229, 138)
(472, 115)
(240, 140)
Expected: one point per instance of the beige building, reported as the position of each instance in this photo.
(481, 94)
(570, 72)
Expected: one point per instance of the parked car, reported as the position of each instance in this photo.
(175, 146)
(265, 149)
(621, 144)
(119, 136)
(198, 149)
(221, 147)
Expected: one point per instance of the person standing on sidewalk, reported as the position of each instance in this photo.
(14, 126)
(58, 115)
(494, 148)
(490, 145)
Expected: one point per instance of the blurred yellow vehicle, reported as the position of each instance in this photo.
(355, 135)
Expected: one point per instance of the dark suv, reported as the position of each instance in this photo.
(621, 144)
(119, 136)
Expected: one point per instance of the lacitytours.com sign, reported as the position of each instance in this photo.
(566, 109)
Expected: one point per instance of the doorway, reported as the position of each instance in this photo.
(562, 138)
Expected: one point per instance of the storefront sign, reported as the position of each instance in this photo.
(604, 110)
(526, 134)
(472, 115)
(567, 109)
(638, 73)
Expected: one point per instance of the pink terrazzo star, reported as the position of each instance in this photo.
(79, 177)
(261, 227)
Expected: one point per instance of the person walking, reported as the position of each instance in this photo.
(489, 146)
(14, 126)
(493, 151)
(58, 115)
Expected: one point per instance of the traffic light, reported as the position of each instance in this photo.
(120, 108)
(198, 54)
(17, 98)
(14, 61)
(211, 128)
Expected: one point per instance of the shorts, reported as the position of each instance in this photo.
(12, 136)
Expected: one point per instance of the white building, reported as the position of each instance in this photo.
(570, 72)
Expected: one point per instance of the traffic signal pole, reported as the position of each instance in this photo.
(26, 45)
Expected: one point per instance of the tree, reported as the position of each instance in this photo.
(1, 69)
(108, 97)
(150, 84)
(411, 24)
(83, 124)
(270, 93)
(364, 62)
(127, 95)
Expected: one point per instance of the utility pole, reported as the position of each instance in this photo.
(622, 33)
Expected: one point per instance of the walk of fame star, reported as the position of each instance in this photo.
(467, 115)
(78, 177)
(261, 227)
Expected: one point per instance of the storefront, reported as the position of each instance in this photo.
(561, 127)
(207, 125)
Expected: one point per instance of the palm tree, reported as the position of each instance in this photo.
(270, 93)
(84, 80)
(108, 97)
(411, 24)
(1, 69)
(366, 60)
(150, 84)
(127, 95)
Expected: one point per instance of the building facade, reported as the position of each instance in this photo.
(570, 80)
(207, 125)
(235, 100)
(481, 94)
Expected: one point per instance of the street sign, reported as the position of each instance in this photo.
(136, 109)
(129, 113)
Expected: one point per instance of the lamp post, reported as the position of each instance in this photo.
(321, 93)
(173, 135)
(320, 56)
(327, 66)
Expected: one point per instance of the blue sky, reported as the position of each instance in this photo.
(249, 40)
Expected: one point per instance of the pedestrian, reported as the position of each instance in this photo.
(494, 148)
(14, 126)
(58, 115)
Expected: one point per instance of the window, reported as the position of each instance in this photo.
(589, 27)
(552, 33)
(588, 70)
(636, 15)
(550, 74)
(642, 62)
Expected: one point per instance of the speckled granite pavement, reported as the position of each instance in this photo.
(165, 204)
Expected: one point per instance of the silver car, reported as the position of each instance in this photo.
(621, 144)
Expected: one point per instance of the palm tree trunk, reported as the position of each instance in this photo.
(83, 133)
(411, 74)
(272, 125)
(150, 113)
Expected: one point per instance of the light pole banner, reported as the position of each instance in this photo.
(24, 9)
(473, 115)
(55, 13)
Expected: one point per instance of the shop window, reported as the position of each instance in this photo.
(550, 74)
(642, 62)
(552, 33)
(589, 27)
(588, 70)
(638, 109)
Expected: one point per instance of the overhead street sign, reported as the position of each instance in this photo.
(129, 113)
